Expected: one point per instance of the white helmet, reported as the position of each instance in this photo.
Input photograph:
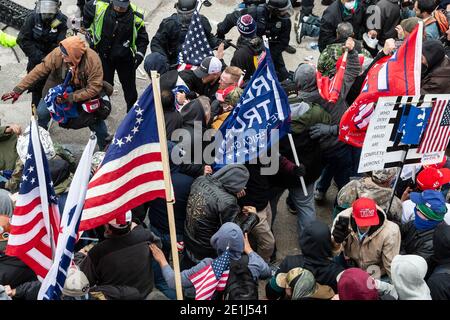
(46, 140)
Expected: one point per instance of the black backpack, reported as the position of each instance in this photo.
(240, 284)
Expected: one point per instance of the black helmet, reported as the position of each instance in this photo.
(279, 4)
(186, 6)
(48, 9)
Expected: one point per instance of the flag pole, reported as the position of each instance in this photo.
(167, 180)
(294, 152)
(396, 181)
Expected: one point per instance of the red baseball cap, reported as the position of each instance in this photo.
(431, 178)
(365, 212)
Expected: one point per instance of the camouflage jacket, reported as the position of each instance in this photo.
(13, 183)
(365, 187)
(328, 58)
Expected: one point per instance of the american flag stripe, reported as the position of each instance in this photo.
(36, 213)
(437, 135)
(131, 172)
(206, 289)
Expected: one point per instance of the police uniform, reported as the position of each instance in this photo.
(276, 29)
(120, 40)
(37, 39)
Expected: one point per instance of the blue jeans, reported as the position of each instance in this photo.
(306, 212)
(160, 282)
(99, 127)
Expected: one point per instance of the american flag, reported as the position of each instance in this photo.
(36, 215)
(131, 172)
(437, 134)
(212, 277)
(53, 283)
(195, 47)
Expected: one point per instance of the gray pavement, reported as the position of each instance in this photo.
(11, 72)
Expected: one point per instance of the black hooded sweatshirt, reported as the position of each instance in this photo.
(439, 281)
(317, 257)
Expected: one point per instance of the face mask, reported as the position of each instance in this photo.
(422, 224)
(350, 5)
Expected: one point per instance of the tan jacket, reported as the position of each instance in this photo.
(377, 249)
(90, 75)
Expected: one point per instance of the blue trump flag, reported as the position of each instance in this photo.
(412, 125)
(259, 120)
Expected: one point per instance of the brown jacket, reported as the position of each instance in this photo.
(90, 75)
(438, 80)
(378, 248)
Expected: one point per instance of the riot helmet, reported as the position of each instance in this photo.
(47, 9)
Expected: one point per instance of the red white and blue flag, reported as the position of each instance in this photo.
(131, 172)
(212, 278)
(396, 75)
(51, 288)
(36, 215)
(195, 47)
(438, 130)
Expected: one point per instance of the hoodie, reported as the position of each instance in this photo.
(229, 235)
(408, 274)
(305, 80)
(439, 281)
(211, 203)
(234, 177)
(356, 284)
(316, 247)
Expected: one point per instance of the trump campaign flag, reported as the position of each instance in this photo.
(396, 75)
(35, 221)
(53, 283)
(131, 172)
(330, 89)
(260, 119)
(212, 278)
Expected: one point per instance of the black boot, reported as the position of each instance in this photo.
(290, 49)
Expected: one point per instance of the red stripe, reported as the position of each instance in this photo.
(114, 175)
(20, 230)
(129, 185)
(44, 249)
(425, 145)
(18, 250)
(34, 265)
(131, 204)
(438, 131)
(24, 210)
(435, 129)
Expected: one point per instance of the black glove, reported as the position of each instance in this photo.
(320, 130)
(138, 58)
(341, 230)
(300, 170)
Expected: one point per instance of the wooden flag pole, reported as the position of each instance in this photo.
(167, 180)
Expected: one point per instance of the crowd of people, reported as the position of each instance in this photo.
(389, 238)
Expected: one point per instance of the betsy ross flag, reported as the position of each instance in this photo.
(53, 283)
(212, 278)
(131, 172)
(396, 75)
(437, 135)
(195, 47)
(36, 215)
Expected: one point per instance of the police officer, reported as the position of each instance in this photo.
(43, 29)
(172, 31)
(273, 20)
(119, 36)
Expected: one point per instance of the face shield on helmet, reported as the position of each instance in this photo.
(282, 10)
(47, 9)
